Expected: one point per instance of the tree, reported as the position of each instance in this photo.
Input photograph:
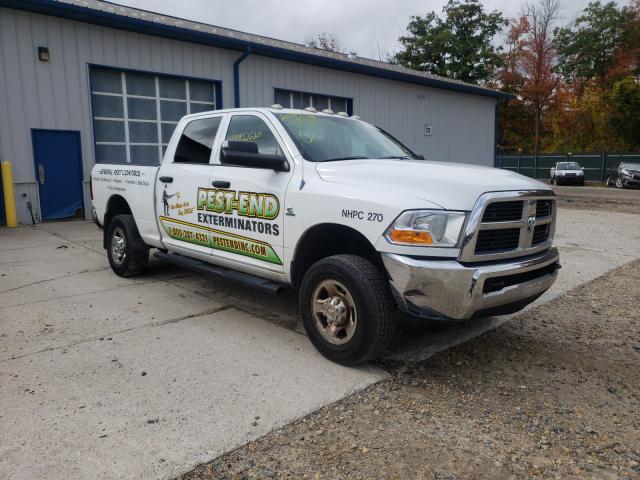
(457, 45)
(538, 60)
(625, 102)
(326, 41)
(586, 48)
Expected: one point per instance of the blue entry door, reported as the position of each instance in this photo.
(59, 173)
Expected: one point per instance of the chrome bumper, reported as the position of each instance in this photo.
(447, 289)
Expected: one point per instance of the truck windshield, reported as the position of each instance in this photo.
(324, 139)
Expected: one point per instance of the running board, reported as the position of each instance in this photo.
(203, 267)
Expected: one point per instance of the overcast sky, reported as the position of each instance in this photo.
(364, 26)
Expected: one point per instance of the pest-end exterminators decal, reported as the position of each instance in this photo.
(245, 204)
(258, 210)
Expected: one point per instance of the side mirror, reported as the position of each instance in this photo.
(245, 154)
(420, 157)
(582, 168)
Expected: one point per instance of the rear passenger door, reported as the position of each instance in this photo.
(247, 203)
(185, 171)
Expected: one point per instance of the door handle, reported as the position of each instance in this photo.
(41, 173)
(221, 184)
(166, 179)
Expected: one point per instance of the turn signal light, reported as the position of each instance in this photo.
(410, 236)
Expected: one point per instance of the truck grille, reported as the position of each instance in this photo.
(503, 212)
(497, 240)
(509, 224)
(544, 208)
(540, 234)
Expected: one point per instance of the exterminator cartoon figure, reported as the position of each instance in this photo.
(165, 200)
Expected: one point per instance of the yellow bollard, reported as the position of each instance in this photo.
(9, 198)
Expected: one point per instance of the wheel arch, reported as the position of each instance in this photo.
(117, 205)
(327, 239)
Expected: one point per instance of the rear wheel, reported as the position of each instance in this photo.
(347, 309)
(127, 252)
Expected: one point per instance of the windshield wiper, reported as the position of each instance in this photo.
(394, 157)
(354, 157)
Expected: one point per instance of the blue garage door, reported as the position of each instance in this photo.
(59, 173)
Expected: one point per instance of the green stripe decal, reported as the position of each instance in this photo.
(220, 240)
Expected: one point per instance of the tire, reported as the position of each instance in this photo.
(128, 254)
(555, 181)
(369, 319)
(619, 183)
(608, 181)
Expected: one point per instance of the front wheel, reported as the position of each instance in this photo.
(619, 183)
(347, 309)
(127, 252)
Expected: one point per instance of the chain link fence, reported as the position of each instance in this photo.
(596, 165)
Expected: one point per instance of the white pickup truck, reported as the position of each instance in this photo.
(338, 209)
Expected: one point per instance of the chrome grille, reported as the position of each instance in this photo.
(540, 234)
(503, 211)
(497, 240)
(509, 224)
(544, 208)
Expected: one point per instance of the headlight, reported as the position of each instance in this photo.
(625, 172)
(426, 228)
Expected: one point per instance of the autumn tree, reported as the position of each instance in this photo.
(458, 44)
(586, 48)
(537, 61)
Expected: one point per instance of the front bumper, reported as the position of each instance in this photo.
(447, 289)
(630, 181)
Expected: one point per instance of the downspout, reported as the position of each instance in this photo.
(236, 76)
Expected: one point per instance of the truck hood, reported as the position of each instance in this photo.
(453, 186)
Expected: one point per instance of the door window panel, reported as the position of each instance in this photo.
(249, 128)
(196, 141)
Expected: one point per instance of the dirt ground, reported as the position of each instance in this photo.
(554, 393)
(599, 198)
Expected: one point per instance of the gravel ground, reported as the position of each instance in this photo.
(599, 198)
(555, 393)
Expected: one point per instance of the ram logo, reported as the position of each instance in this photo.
(531, 222)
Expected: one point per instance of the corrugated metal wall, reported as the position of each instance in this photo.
(54, 94)
(463, 124)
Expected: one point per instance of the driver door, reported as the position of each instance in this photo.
(246, 203)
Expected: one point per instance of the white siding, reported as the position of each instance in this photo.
(55, 94)
(463, 124)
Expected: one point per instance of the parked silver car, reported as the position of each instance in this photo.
(568, 173)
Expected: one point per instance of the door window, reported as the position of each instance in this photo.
(196, 141)
(249, 128)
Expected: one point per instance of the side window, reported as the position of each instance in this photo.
(196, 141)
(249, 128)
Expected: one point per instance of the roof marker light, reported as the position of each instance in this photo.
(276, 106)
(355, 117)
(343, 114)
(329, 111)
(311, 109)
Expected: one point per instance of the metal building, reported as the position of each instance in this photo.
(84, 81)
